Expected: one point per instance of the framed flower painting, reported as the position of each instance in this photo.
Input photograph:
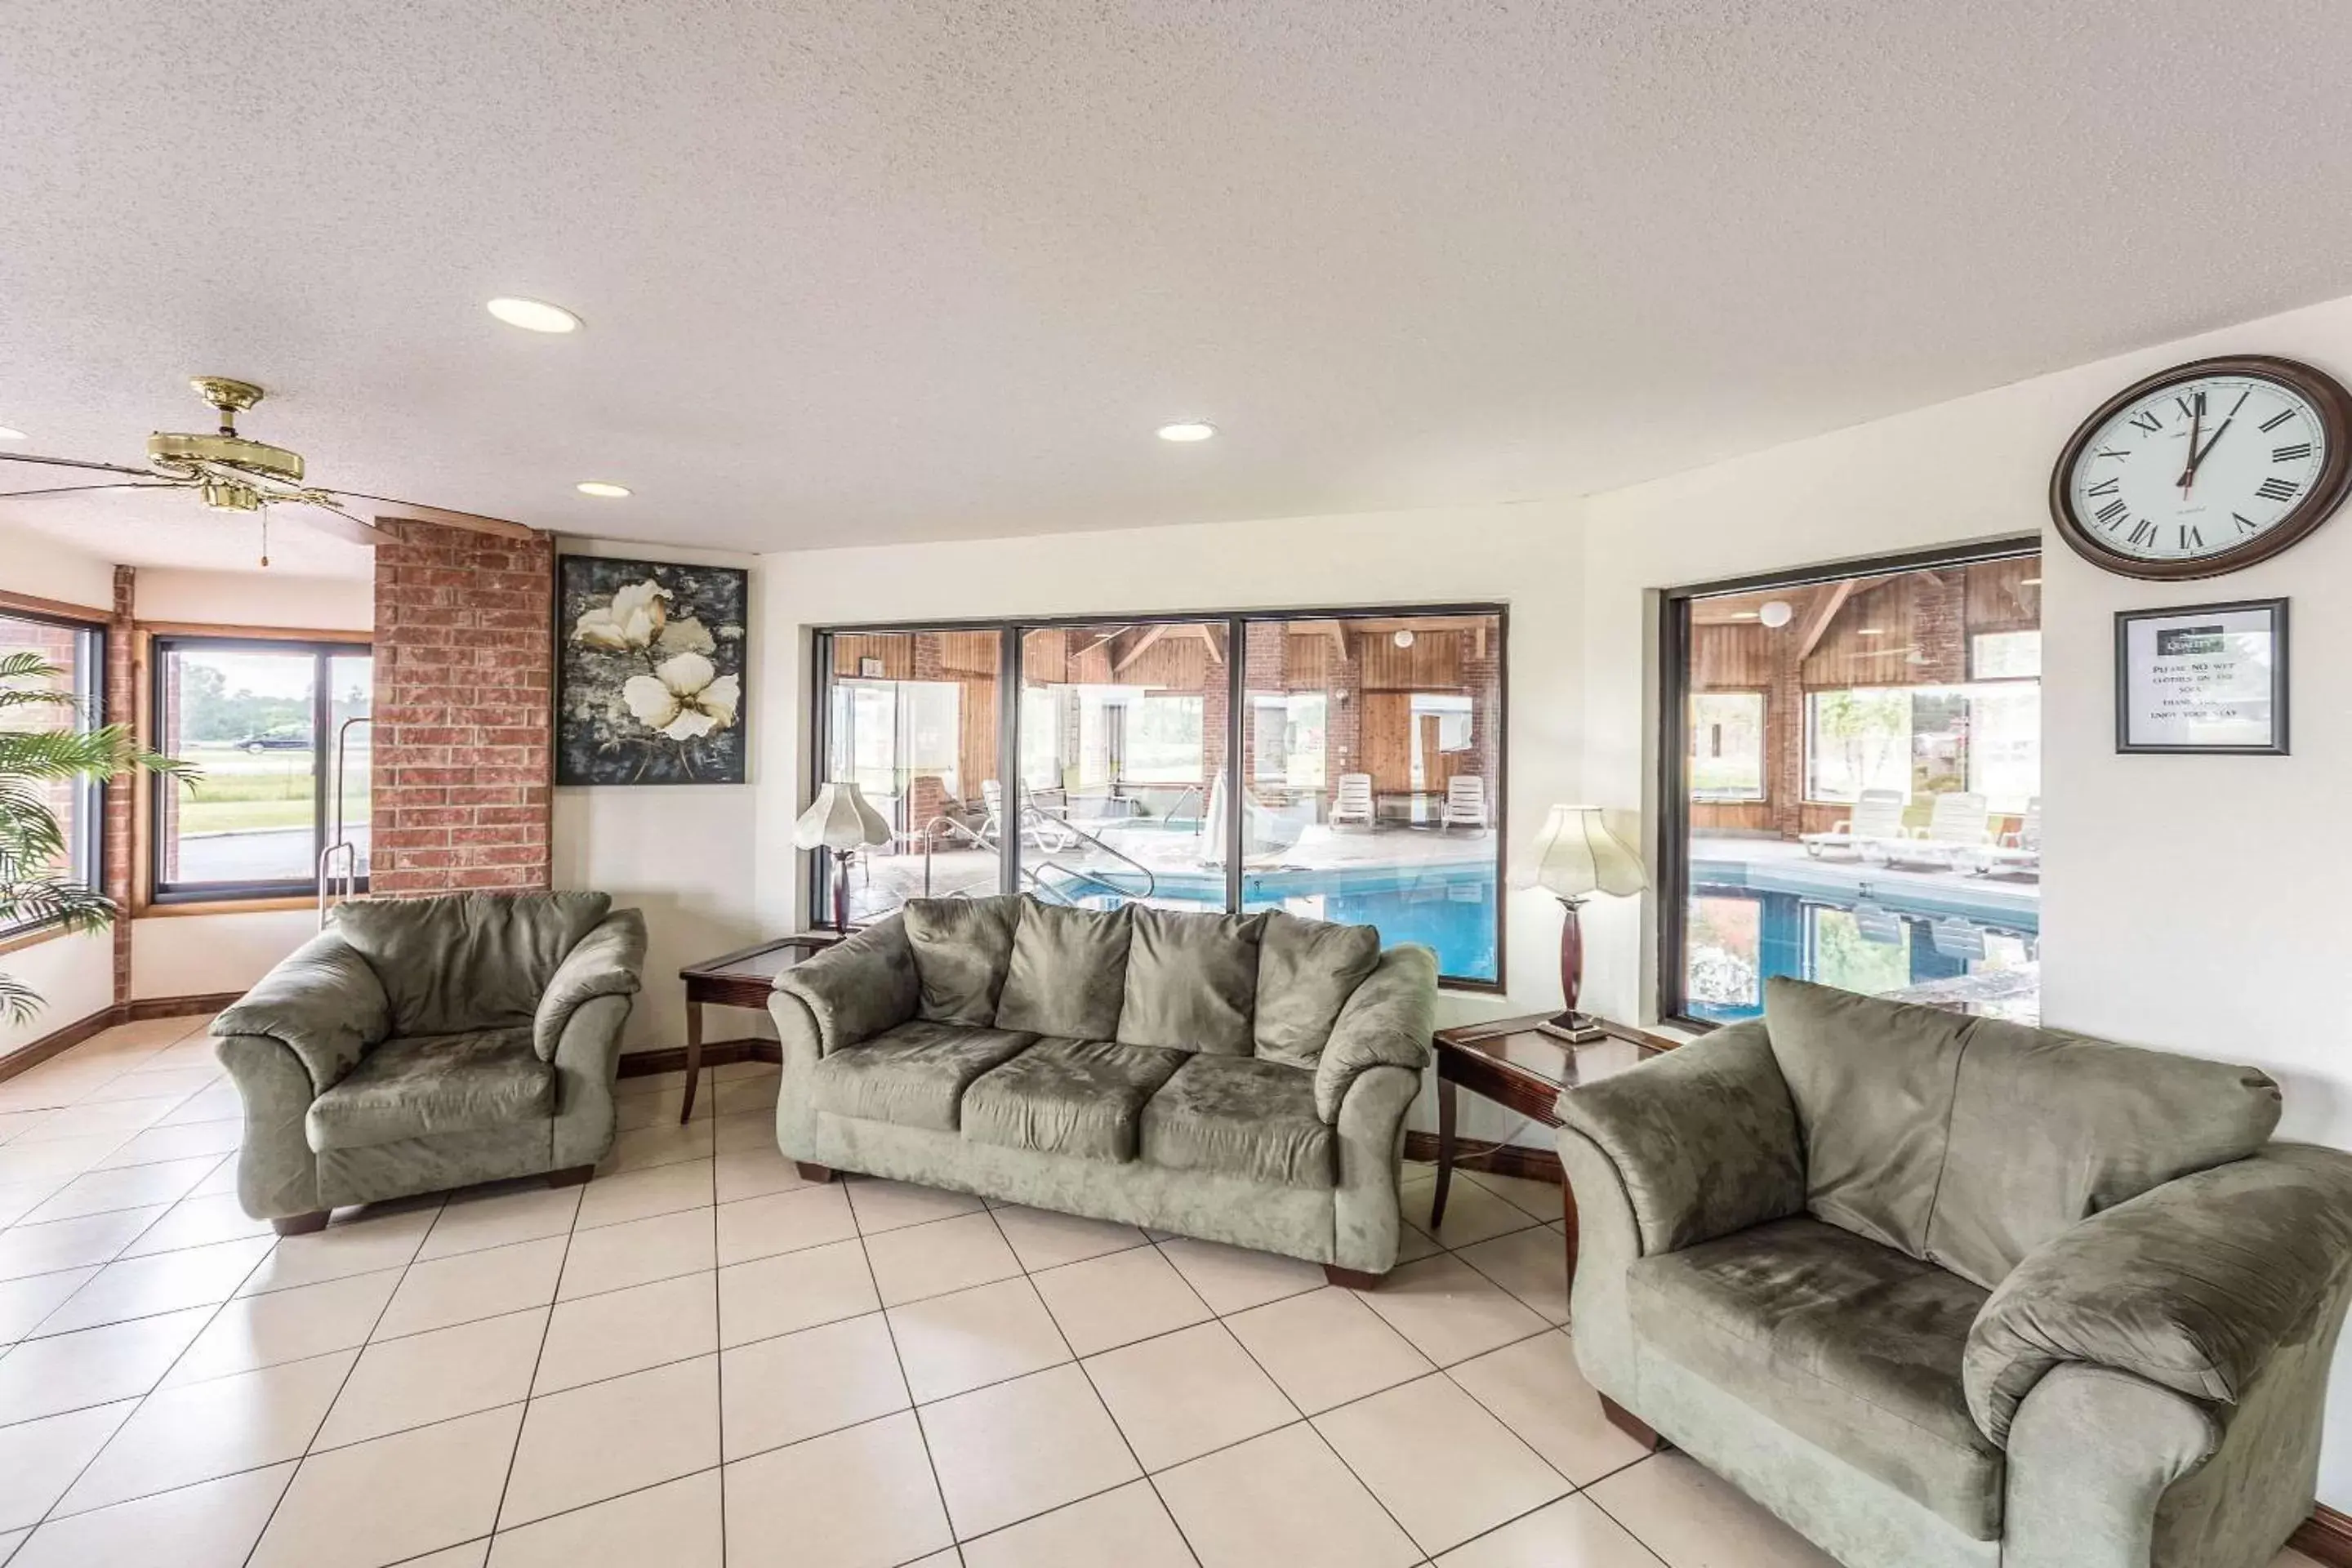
(649, 672)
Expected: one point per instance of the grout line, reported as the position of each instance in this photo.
(922, 1433)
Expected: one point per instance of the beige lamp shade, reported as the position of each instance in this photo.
(839, 818)
(1576, 854)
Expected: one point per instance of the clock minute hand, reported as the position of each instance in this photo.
(2196, 422)
(2197, 457)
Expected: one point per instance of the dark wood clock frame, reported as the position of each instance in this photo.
(2323, 392)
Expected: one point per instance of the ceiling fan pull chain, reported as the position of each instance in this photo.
(264, 536)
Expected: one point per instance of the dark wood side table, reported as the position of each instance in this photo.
(1515, 1064)
(738, 979)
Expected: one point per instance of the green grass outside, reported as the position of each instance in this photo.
(247, 793)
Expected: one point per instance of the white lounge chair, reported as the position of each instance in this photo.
(1465, 803)
(1959, 830)
(1352, 806)
(2020, 851)
(1037, 829)
(1877, 820)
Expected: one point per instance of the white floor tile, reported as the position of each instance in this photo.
(122, 1118)
(932, 1260)
(209, 1526)
(27, 1249)
(167, 1143)
(1569, 1533)
(587, 1444)
(1443, 1467)
(954, 1343)
(675, 1525)
(663, 1142)
(1535, 1389)
(205, 1430)
(357, 1246)
(616, 1257)
(742, 1096)
(798, 1386)
(1127, 1527)
(744, 1132)
(472, 1285)
(1234, 1278)
(1449, 1311)
(25, 1302)
(1327, 1347)
(287, 1325)
(753, 1173)
(1019, 1449)
(132, 1187)
(61, 1161)
(476, 1223)
(96, 1366)
(861, 1498)
(1695, 1518)
(1472, 1213)
(1178, 1396)
(641, 1193)
(1531, 1264)
(794, 1291)
(783, 1222)
(198, 1222)
(1042, 1239)
(39, 1460)
(1284, 1498)
(395, 1498)
(163, 1283)
(1118, 1299)
(428, 1378)
(884, 1204)
(1539, 1199)
(621, 1332)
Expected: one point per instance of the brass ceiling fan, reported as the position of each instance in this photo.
(231, 473)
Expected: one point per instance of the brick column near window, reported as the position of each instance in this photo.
(121, 707)
(463, 711)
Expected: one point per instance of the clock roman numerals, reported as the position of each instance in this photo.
(2293, 454)
(2245, 525)
(2277, 490)
(2191, 539)
(2146, 422)
(2104, 488)
(2110, 452)
(2191, 406)
(2143, 532)
(2275, 420)
(2112, 514)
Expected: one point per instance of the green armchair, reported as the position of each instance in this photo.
(1945, 1291)
(422, 1044)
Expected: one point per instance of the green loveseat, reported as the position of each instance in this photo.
(1940, 1291)
(422, 1044)
(1241, 1080)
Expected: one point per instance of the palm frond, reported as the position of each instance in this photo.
(19, 1001)
(66, 904)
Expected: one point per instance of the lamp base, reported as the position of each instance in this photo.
(1572, 1028)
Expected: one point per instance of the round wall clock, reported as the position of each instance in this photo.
(2205, 467)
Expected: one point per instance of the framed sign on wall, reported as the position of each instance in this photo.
(2208, 678)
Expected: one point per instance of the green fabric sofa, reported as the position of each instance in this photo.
(1241, 1080)
(422, 1044)
(1946, 1291)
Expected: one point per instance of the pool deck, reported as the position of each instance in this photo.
(1772, 864)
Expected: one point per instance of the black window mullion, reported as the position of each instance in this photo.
(1236, 734)
(1008, 758)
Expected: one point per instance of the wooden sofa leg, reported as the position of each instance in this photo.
(1353, 1278)
(300, 1224)
(571, 1176)
(813, 1173)
(1633, 1425)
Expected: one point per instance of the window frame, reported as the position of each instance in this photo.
(1669, 910)
(323, 649)
(1011, 629)
(88, 844)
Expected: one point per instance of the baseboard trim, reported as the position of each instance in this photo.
(718, 1053)
(2325, 1537)
(33, 1053)
(1502, 1159)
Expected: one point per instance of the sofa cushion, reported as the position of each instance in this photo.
(2048, 1129)
(1871, 1083)
(467, 961)
(1855, 1347)
(962, 948)
(1191, 981)
(1068, 974)
(911, 1075)
(1068, 1097)
(1306, 970)
(421, 1086)
(1238, 1116)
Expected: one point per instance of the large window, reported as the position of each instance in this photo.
(279, 733)
(1902, 704)
(1345, 766)
(78, 653)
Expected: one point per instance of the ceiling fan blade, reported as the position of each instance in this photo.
(443, 515)
(342, 524)
(76, 463)
(85, 489)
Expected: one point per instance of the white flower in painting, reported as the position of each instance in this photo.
(683, 698)
(685, 634)
(635, 618)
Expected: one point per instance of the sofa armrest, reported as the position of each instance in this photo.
(2194, 1285)
(321, 1002)
(858, 987)
(610, 960)
(1704, 1138)
(1386, 1023)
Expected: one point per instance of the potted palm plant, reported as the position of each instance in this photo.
(33, 850)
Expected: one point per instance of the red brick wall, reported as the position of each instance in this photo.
(120, 709)
(463, 711)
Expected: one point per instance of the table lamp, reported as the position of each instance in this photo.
(839, 819)
(1577, 856)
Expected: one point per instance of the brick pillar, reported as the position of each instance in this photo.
(1939, 628)
(1784, 735)
(1265, 661)
(465, 656)
(1343, 719)
(122, 706)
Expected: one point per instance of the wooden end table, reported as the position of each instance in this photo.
(740, 979)
(1515, 1064)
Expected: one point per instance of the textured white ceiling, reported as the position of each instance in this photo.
(862, 272)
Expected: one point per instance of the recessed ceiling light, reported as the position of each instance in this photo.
(2030, 582)
(10, 434)
(1747, 614)
(1188, 430)
(533, 315)
(605, 489)
(1870, 631)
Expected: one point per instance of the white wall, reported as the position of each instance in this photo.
(1526, 556)
(2189, 903)
(684, 854)
(257, 598)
